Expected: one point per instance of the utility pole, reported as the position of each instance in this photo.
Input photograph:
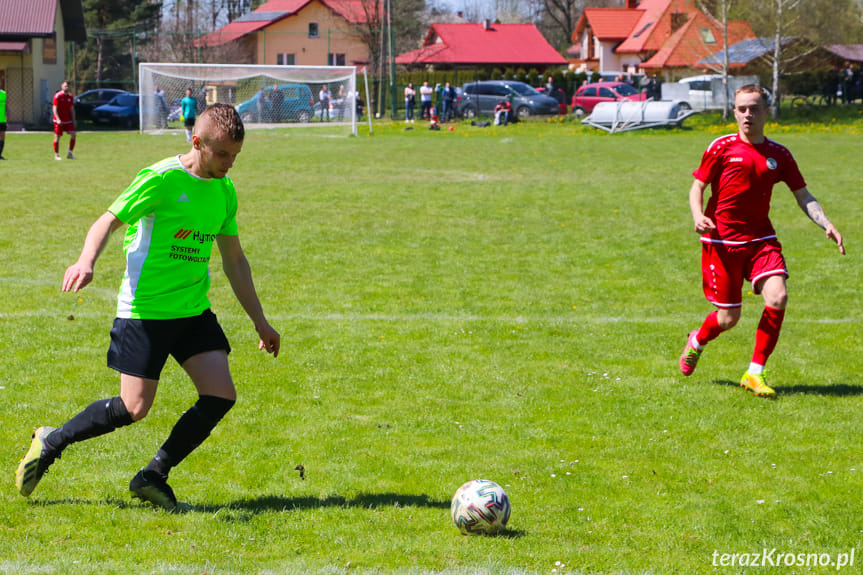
(392, 61)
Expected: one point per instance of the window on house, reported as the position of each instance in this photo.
(707, 36)
(286, 59)
(337, 59)
(313, 29)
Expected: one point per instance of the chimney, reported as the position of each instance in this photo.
(631, 4)
(486, 24)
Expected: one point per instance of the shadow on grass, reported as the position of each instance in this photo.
(269, 503)
(833, 390)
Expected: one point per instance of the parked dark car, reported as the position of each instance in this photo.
(588, 96)
(480, 98)
(296, 103)
(558, 95)
(123, 110)
(88, 101)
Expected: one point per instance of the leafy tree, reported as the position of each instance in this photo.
(810, 24)
(113, 27)
(408, 26)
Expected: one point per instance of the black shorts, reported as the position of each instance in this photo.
(2, 126)
(140, 347)
(189, 123)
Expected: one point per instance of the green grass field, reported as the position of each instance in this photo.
(499, 303)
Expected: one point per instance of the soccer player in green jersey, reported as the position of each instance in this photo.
(175, 210)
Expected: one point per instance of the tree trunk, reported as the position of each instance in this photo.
(777, 49)
(99, 44)
(725, 62)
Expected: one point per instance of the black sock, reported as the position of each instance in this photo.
(189, 432)
(98, 418)
(2, 143)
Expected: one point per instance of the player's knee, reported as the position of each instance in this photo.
(138, 410)
(728, 319)
(214, 408)
(777, 299)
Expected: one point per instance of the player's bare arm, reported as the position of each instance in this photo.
(239, 273)
(703, 224)
(79, 274)
(813, 209)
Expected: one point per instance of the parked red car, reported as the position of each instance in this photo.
(589, 95)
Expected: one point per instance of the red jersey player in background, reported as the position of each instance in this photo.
(738, 241)
(64, 119)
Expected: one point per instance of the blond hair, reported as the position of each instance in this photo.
(754, 89)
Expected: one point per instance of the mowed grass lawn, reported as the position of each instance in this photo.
(505, 303)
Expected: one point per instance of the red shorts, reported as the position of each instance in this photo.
(723, 269)
(68, 127)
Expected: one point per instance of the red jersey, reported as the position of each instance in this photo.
(64, 103)
(741, 177)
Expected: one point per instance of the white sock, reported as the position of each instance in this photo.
(694, 342)
(755, 369)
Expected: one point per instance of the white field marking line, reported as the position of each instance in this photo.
(443, 318)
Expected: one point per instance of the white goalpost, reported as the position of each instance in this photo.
(265, 96)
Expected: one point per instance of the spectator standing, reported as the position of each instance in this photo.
(341, 102)
(161, 108)
(360, 106)
(426, 92)
(63, 110)
(830, 88)
(262, 102)
(276, 100)
(648, 86)
(847, 83)
(448, 103)
(324, 97)
(410, 102)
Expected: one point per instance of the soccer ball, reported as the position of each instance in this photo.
(480, 507)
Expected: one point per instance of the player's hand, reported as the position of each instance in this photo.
(833, 234)
(271, 341)
(77, 276)
(703, 224)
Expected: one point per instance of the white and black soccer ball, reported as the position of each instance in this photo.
(480, 507)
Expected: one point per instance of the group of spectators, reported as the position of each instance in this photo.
(447, 99)
(843, 84)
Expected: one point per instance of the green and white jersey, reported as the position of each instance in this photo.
(173, 218)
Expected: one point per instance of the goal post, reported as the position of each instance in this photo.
(265, 96)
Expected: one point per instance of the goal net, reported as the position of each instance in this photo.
(265, 96)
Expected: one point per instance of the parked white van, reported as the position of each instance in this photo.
(704, 92)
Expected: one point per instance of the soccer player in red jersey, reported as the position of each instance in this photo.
(64, 119)
(737, 239)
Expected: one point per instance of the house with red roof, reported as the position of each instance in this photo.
(668, 37)
(296, 32)
(34, 35)
(471, 45)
